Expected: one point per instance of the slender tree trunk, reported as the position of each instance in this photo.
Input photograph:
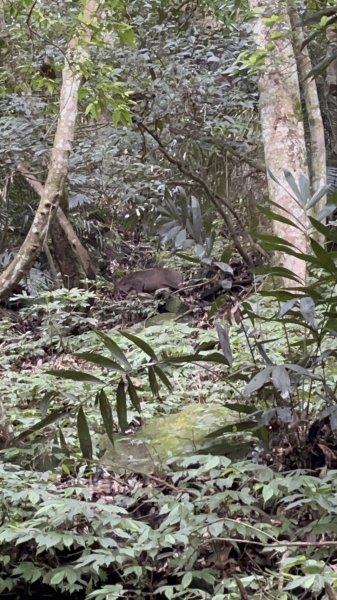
(70, 255)
(282, 125)
(59, 163)
(315, 121)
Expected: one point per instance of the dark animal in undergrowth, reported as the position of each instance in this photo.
(149, 281)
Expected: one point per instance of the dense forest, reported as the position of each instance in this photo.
(168, 273)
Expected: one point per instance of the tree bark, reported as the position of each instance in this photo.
(71, 77)
(70, 255)
(310, 95)
(282, 126)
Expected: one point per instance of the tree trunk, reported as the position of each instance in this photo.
(310, 95)
(76, 54)
(282, 125)
(70, 255)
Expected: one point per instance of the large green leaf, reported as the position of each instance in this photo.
(133, 394)
(114, 349)
(45, 422)
(140, 343)
(121, 406)
(281, 379)
(281, 272)
(307, 308)
(84, 434)
(328, 232)
(76, 376)
(324, 257)
(153, 381)
(277, 217)
(162, 376)
(224, 343)
(258, 381)
(214, 357)
(101, 361)
(106, 412)
(234, 428)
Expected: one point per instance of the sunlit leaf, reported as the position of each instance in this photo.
(281, 379)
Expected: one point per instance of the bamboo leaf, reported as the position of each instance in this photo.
(153, 381)
(277, 217)
(258, 381)
(84, 434)
(133, 394)
(76, 376)
(224, 342)
(45, 422)
(106, 413)
(121, 406)
(101, 361)
(140, 343)
(114, 349)
(281, 379)
(162, 376)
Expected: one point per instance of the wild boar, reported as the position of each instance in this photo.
(149, 281)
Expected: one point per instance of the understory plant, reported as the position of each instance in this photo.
(252, 514)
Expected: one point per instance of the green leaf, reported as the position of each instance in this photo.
(162, 376)
(224, 342)
(121, 406)
(326, 261)
(75, 376)
(274, 239)
(63, 443)
(57, 578)
(153, 381)
(317, 196)
(215, 357)
(49, 420)
(307, 308)
(186, 580)
(84, 435)
(140, 343)
(277, 217)
(101, 361)
(114, 349)
(328, 232)
(247, 409)
(293, 185)
(258, 381)
(248, 425)
(286, 307)
(133, 394)
(305, 582)
(277, 272)
(106, 413)
(281, 379)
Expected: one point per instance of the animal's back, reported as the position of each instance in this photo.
(149, 280)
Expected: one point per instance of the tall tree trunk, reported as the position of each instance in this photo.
(76, 54)
(310, 95)
(282, 124)
(331, 101)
